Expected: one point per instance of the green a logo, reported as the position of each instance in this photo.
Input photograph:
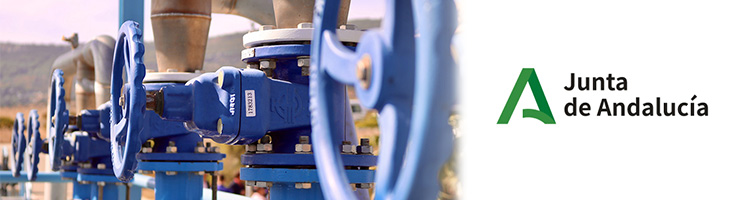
(544, 114)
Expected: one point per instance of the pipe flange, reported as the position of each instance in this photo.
(159, 77)
(259, 38)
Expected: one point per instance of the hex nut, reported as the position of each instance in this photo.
(305, 25)
(348, 27)
(266, 27)
(302, 185)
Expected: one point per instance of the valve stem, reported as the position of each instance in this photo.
(155, 101)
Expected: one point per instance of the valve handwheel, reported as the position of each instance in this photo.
(19, 144)
(409, 81)
(128, 100)
(35, 146)
(57, 119)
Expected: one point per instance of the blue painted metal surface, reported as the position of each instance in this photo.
(18, 143)
(300, 175)
(34, 147)
(57, 119)
(289, 159)
(180, 156)
(181, 166)
(410, 84)
(183, 185)
(245, 102)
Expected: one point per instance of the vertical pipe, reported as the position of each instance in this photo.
(81, 191)
(131, 10)
(183, 185)
(282, 190)
(134, 192)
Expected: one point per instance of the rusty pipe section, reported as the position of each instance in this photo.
(259, 11)
(289, 13)
(180, 33)
(90, 66)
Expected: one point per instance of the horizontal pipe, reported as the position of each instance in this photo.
(52, 177)
(144, 181)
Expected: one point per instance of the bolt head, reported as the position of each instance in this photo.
(348, 27)
(251, 148)
(263, 184)
(267, 64)
(266, 27)
(303, 148)
(170, 173)
(171, 149)
(303, 61)
(200, 149)
(348, 149)
(302, 185)
(101, 166)
(305, 25)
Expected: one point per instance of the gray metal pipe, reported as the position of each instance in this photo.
(289, 13)
(180, 33)
(90, 66)
(259, 11)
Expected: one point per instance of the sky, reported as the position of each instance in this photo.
(46, 21)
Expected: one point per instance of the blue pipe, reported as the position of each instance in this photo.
(52, 177)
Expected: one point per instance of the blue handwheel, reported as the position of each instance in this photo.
(128, 100)
(57, 119)
(409, 81)
(35, 146)
(18, 141)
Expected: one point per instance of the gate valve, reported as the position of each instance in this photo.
(234, 106)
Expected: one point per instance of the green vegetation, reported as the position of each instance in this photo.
(6, 122)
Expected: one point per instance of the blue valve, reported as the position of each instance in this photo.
(18, 141)
(235, 106)
(35, 146)
(57, 120)
(129, 99)
(409, 81)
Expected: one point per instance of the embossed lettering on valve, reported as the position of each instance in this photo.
(249, 103)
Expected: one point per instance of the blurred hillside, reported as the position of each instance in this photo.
(24, 68)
